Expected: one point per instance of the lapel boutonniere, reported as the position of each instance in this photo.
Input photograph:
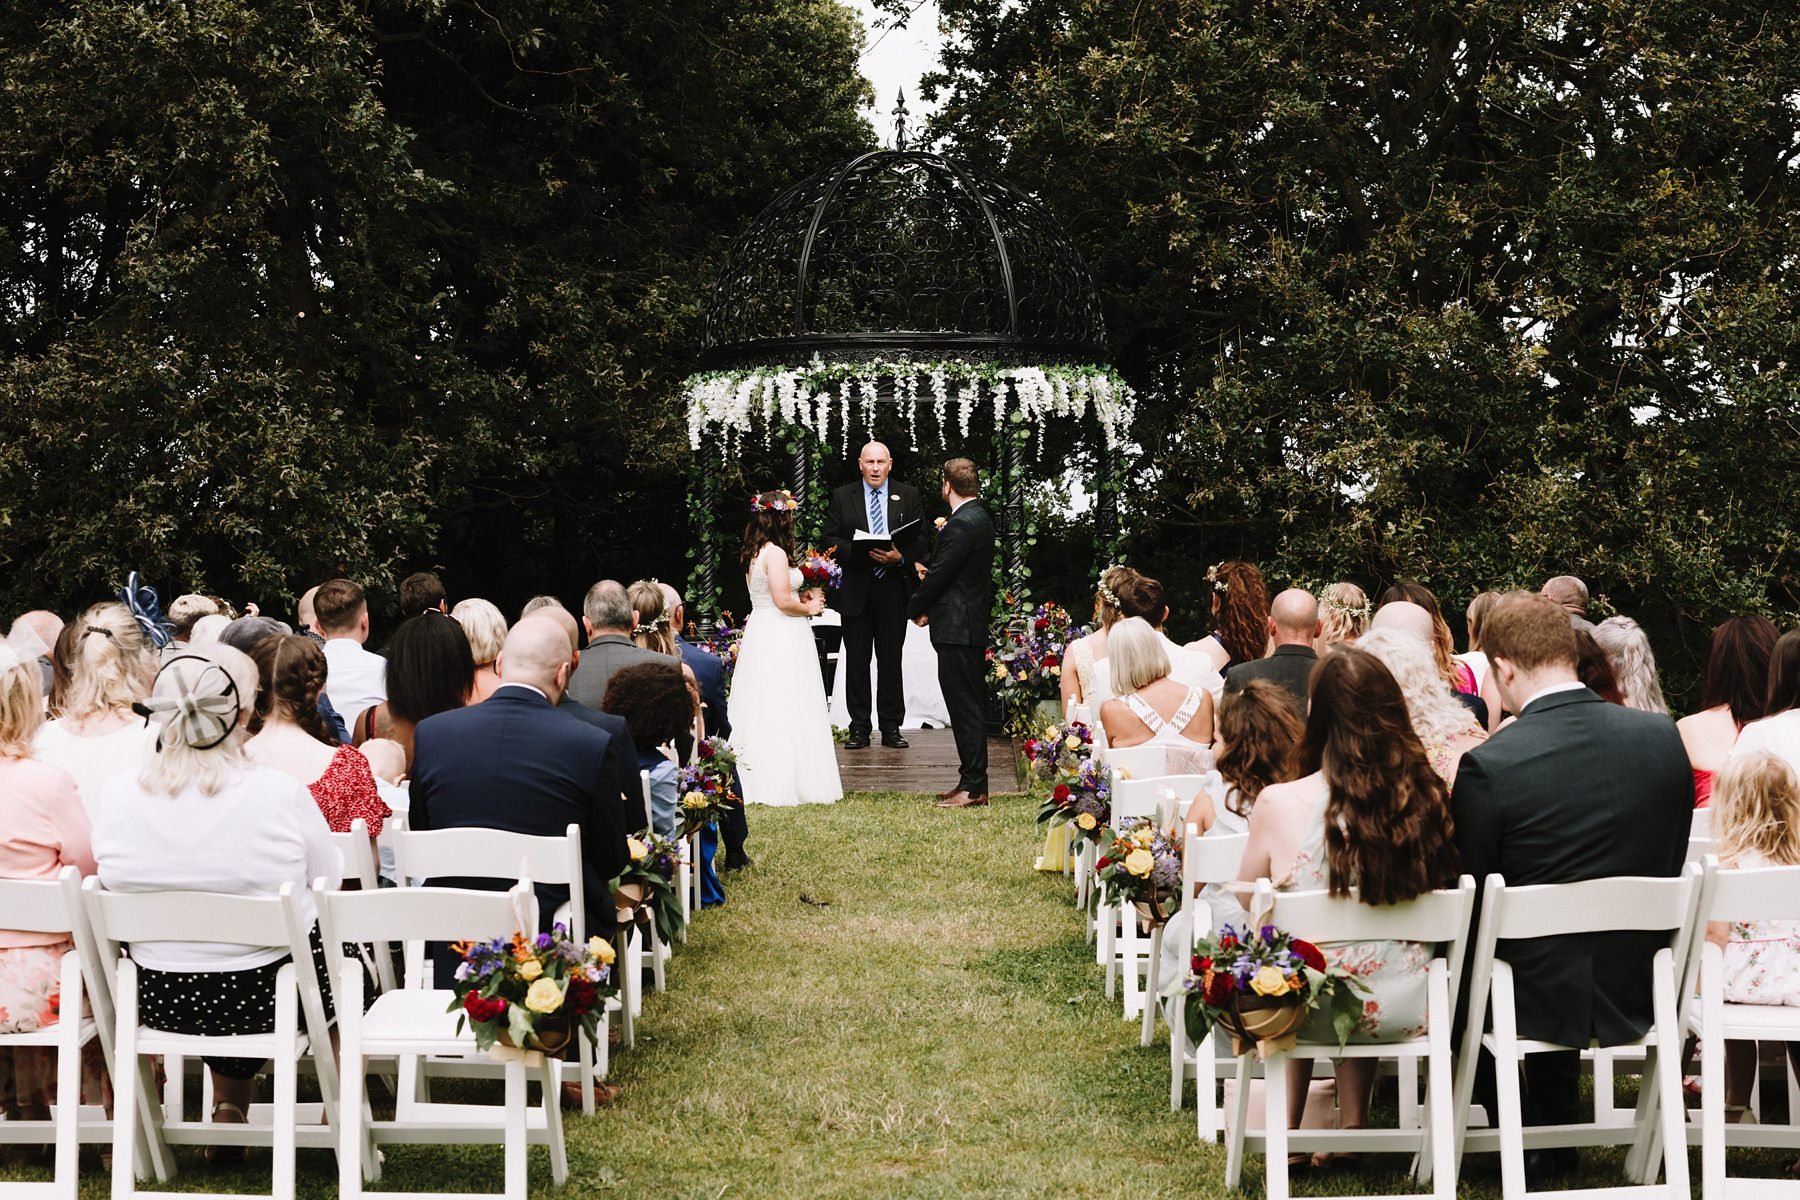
(940, 522)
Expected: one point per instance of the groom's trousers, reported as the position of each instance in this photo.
(961, 671)
(881, 625)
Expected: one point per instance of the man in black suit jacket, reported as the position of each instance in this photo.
(872, 600)
(517, 763)
(1575, 789)
(956, 598)
(1294, 624)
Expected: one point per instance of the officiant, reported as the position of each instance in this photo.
(876, 525)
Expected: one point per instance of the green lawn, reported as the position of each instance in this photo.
(892, 1004)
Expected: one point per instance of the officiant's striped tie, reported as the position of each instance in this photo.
(877, 524)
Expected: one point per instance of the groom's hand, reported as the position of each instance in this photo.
(920, 620)
(920, 568)
(884, 557)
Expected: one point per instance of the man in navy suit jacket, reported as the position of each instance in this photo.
(709, 673)
(514, 762)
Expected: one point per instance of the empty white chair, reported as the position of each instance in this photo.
(362, 865)
(1660, 905)
(412, 1022)
(1440, 917)
(1204, 860)
(1137, 762)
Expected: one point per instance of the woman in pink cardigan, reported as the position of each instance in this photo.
(43, 828)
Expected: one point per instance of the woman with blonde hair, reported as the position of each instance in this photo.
(1150, 708)
(1445, 727)
(1084, 673)
(485, 627)
(1627, 647)
(1344, 613)
(652, 631)
(95, 734)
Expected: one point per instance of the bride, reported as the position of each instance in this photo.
(780, 725)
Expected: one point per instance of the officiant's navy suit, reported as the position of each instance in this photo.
(872, 600)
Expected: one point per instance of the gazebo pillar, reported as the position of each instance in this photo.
(1012, 507)
(703, 506)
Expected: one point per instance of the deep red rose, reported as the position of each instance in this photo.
(582, 995)
(1227, 942)
(1102, 863)
(1041, 624)
(1061, 794)
(1202, 964)
(482, 1008)
(1219, 986)
(1309, 954)
(1051, 660)
(706, 750)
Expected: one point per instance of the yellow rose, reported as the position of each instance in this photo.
(1056, 670)
(1143, 836)
(544, 996)
(1140, 863)
(1120, 773)
(600, 948)
(1072, 742)
(999, 670)
(1050, 734)
(1086, 821)
(530, 969)
(1269, 981)
(694, 800)
(637, 849)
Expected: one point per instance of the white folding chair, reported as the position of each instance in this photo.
(1701, 825)
(362, 865)
(301, 1030)
(1137, 762)
(1759, 894)
(1698, 848)
(473, 852)
(1126, 950)
(1440, 918)
(1204, 860)
(415, 1022)
(1666, 905)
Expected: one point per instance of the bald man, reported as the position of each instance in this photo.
(1294, 625)
(879, 577)
(514, 762)
(1415, 621)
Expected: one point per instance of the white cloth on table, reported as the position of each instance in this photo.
(919, 683)
(93, 761)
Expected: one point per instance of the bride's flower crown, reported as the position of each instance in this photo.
(784, 502)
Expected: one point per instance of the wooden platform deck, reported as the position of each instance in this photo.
(928, 764)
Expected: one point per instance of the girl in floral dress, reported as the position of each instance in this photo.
(1756, 818)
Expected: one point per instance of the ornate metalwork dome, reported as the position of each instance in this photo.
(902, 251)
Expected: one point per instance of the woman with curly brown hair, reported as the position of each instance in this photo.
(1371, 814)
(1240, 609)
(289, 735)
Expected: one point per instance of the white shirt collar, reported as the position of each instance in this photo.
(1572, 686)
(961, 500)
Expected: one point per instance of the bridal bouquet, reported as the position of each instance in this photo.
(532, 993)
(1261, 986)
(820, 569)
(1026, 660)
(707, 788)
(1142, 867)
(645, 889)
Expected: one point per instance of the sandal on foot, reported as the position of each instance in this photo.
(227, 1114)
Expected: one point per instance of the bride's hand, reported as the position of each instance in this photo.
(817, 603)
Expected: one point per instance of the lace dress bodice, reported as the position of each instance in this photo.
(760, 598)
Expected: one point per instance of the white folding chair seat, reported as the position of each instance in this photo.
(1204, 860)
(1124, 951)
(479, 853)
(300, 1026)
(412, 1023)
(1440, 918)
(1758, 894)
(1667, 905)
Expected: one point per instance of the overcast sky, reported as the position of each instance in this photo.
(894, 59)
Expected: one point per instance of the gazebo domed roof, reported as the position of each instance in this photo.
(902, 252)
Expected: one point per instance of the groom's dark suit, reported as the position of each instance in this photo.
(957, 597)
(873, 607)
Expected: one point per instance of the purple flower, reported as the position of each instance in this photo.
(1268, 933)
(544, 941)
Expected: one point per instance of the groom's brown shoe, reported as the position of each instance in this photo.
(948, 794)
(962, 799)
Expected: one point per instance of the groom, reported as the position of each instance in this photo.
(955, 598)
(877, 582)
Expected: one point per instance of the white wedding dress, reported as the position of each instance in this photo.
(780, 726)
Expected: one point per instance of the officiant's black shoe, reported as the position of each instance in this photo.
(893, 741)
(857, 741)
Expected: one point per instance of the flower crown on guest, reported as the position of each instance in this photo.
(784, 502)
(1107, 596)
(651, 626)
(1215, 575)
(1333, 603)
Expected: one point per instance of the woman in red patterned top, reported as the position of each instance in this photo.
(288, 734)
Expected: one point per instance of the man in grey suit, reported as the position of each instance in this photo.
(1575, 789)
(1294, 624)
(956, 599)
(609, 618)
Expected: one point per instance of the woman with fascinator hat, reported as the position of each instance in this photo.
(780, 723)
(201, 817)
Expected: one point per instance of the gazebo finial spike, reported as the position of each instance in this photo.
(900, 119)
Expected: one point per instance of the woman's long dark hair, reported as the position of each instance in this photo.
(290, 673)
(430, 668)
(1784, 674)
(768, 526)
(1736, 673)
(1261, 730)
(1387, 818)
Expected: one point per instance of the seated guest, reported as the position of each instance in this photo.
(1416, 621)
(1476, 659)
(422, 592)
(1458, 675)
(485, 627)
(1592, 667)
(1568, 593)
(43, 628)
(1344, 612)
(709, 673)
(655, 704)
(1445, 728)
(307, 617)
(1293, 626)
(1778, 730)
(43, 828)
(514, 762)
(609, 620)
(1240, 610)
(246, 632)
(95, 734)
(1142, 596)
(185, 613)
(654, 631)
(1084, 670)
(288, 734)
(621, 767)
(208, 628)
(1756, 819)
(1734, 686)
(1574, 789)
(430, 670)
(354, 678)
(199, 817)
(1151, 708)
(1627, 648)
(1369, 814)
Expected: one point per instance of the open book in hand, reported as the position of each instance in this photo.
(879, 541)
